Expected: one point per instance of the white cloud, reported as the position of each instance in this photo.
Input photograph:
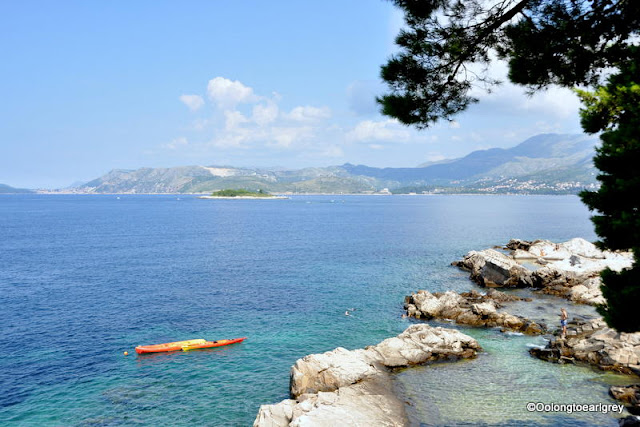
(240, 132)
(285, 137)
(559, 102)
(200, 124)
(546, 127)
(177, 143)
(308, 113)
(332, 151)
(370, 130)
(227, 93)
(454, 125)
(194, 102)
(262, 125)
(435, 157)
(511, 99)
(232, 138)
(233, 119)
(264, 114)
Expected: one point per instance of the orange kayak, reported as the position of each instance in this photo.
(185, 345)
(210, 344)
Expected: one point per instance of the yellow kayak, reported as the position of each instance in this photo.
(169, 346)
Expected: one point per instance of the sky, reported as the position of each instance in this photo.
(88, 87)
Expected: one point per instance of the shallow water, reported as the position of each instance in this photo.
(84, 278)
(494, 388)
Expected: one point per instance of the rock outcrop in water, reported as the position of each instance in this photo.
(570, 269)
(594, 343)
(343, 387)
(470, 308)
(629, 396)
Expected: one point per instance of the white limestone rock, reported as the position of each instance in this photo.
(596, 344)
(330, 371)
(588, 292)
(342, 387)
(278, 415)
(484, 309)
(569, 269)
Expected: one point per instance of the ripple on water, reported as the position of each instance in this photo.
(494, 388)
(84, 278)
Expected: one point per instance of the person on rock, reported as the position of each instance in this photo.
(563, 322)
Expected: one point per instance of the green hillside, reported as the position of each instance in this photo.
(547, 163)
(6, 189)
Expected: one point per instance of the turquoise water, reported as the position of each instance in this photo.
(84, 278)
(494, 389)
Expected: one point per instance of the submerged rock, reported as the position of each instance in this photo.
(594, 343)
(470, 308)
(630, 421)
(343, 387)
(570, 269)
(629, 396)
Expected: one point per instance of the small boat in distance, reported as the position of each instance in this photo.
(185, 345)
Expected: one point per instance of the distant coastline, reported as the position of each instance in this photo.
(543, 164)
(284, 194)
(244, 197)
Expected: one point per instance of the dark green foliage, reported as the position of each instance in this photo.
(444, 53)
(447, 44)
(568, 43)
(622, 292)
(240, 193)
(614, 110)
(430, 78)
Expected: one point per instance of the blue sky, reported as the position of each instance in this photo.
(93, 86)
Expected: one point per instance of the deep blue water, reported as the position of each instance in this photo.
(84, 278)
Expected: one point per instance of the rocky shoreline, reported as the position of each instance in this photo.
(570, 270)
(343, 387)
(470, 309)
(594, 343)
(629, 396)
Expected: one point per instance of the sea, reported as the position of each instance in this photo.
(85, 278)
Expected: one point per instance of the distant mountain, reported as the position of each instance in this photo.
(204, 179)
(5, 189)
(548, 163)
(536, 154)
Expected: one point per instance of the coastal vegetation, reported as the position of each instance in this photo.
(240, 193)
(542, 164)
(6, 189)
(545, 42)
(614, 110)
